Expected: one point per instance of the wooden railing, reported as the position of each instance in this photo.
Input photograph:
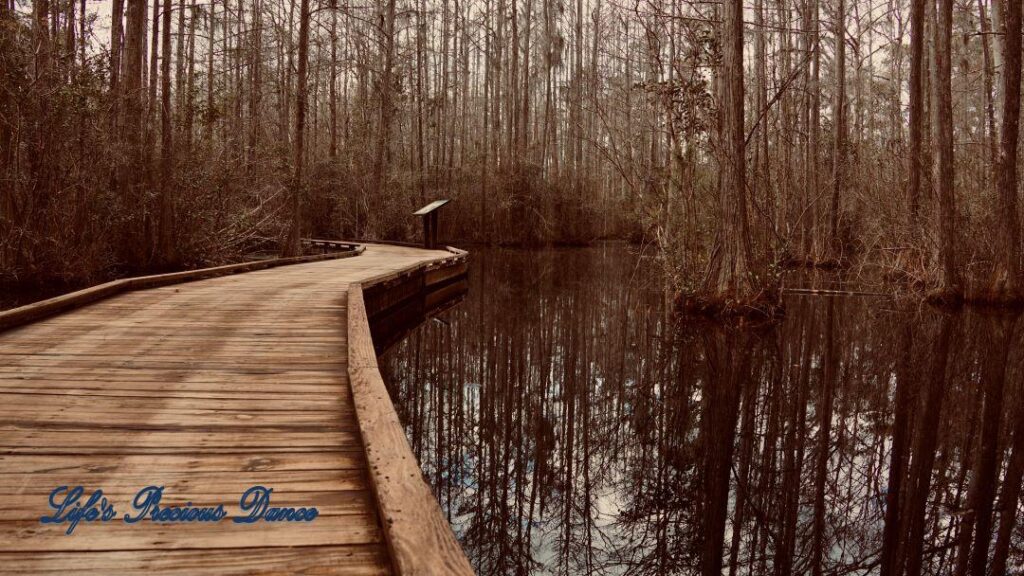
(416, 530)
(330, 244)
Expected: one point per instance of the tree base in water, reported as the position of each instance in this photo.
(762, 307)
(810, 263)
(949, 297)
(997, 298)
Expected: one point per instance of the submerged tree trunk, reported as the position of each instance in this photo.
(925, 441)
(824, 409)
(728, 357)
(905, 380)
(1009, 496)
(989, 458)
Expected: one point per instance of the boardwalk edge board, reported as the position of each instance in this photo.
(65, 302)
(416, 531)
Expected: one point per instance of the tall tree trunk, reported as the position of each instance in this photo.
(916, 109)
(991, 138)
(812, 115)
(333, 88)
(116, 34)
(384, 94)
(151, 108)
(1008, 260)
(165, 234)
(949, 281)
(839, 110)
(291, 244)
(256, 72)
(732, 273)
(190, 100)
(211, 43)
(421, 70)
(134, 126)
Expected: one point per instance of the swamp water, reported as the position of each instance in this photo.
(568, 424)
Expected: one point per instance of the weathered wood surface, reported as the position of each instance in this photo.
(46, 308)
(418, 536)
(208, 388)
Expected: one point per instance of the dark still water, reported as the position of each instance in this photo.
(569, 425)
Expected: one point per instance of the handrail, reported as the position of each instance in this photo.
(417, 533)
(330, 243)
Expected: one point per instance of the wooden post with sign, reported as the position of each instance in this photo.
(429, 215)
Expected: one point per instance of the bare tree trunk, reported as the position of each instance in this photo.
(384, 93)
(839, 109)
(151, 106)
(333, 91)
(812, 115)
(211, 42)
(991, 139)
(421, 41)
(732, 276)
(191, 79)
(484, 230)
(116, 33)
(135, 46)
(179, 61)
(577, 103)
(949, 281)
(916, 108)
(165, 235)
(256, 94)
(291, 245)
(1008, 260)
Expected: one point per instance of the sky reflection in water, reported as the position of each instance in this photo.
(569, 425)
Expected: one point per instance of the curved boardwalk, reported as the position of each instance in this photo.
(206, 388)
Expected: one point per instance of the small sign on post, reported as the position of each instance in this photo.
(429, 215)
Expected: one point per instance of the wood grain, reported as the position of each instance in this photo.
(45, 308)
(208, 388)
(417, 533)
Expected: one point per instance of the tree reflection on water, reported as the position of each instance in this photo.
(570, 425)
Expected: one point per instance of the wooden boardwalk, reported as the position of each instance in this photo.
(208, 388)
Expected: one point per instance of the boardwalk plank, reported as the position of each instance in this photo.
(205, 388)
(361, 560)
